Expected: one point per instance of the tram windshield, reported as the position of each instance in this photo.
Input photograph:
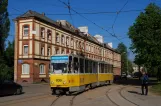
(59, 68)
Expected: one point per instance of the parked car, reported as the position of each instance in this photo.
(123, 75)
(129, 76)
(10, 87)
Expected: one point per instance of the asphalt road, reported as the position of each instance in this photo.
(110, 95)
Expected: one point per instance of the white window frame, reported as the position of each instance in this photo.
(25, 29)
(25, 68)
(42, 51)
(86, 47)
(49, 49)
(43, 32)
(62, 39)
(49, 35)
(57, 51)
(57, 38)
(42, 69)
(63, 51)
(67, 41)
(89, 48)
(72, 43)
(24, 50)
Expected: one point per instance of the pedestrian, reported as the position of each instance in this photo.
(144, 83)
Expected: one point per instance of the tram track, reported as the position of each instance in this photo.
(17, 101)
(122, 96)
(54, 101)
(110, 98)
(61, 97)
(28, 97)
(125, 97)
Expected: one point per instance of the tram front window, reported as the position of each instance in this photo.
(59, 68)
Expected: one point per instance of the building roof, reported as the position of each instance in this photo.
(58, 24)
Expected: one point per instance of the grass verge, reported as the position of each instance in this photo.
(156, 89)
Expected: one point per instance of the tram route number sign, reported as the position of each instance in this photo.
(58, 80)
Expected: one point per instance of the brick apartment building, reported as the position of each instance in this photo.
(37, 38)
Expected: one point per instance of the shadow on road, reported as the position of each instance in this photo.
(134, 92)
(135, 81)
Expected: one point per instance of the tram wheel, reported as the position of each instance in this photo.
(57, 92)
(67, 93)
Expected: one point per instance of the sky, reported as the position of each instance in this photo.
(99, 23)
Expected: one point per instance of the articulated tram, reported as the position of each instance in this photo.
(73, 73)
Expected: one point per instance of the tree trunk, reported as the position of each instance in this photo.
(158, 74)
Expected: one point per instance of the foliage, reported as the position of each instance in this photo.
(121, 48)
(6, 56)
(130, 66)
(145, 35)
(4, 24)
(6, 72)
(9, 54)
(7, 63)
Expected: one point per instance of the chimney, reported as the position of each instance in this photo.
(43, 14)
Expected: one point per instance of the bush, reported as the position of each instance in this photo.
(6, 73)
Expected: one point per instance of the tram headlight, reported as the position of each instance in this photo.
(52, 82)
(64, 82)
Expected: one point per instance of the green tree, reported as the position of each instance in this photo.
(6, 56)
(9, 54)
(4, 24)
(121, 48)
(145, 35)
(130, 66)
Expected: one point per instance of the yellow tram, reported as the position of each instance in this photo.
(73, 73)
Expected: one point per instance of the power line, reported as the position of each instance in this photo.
(89, 20)
(116, 19)
(70, 12)
(92, 13)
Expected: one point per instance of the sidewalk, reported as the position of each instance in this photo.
(133, 94)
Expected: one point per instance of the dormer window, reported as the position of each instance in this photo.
(42, 32)
(26, 30)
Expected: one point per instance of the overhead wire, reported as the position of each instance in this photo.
(117, 14)
(70, 12)
(89, 20)
(94, 13)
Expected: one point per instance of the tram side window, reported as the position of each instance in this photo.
(94, 67)
(102, 68)
(81, 65)
(89, 66)
(99, 67)
(70, 64)
(105, 69)
(86, 66)
(76, 65)
(111, 68)
(108, 68)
